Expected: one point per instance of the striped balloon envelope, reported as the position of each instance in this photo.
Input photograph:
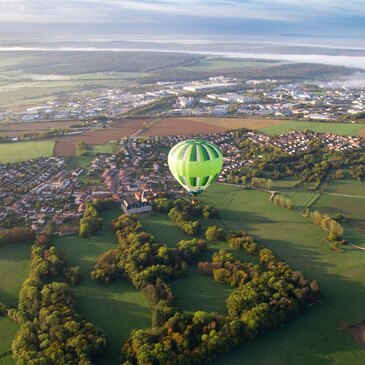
(195, 164)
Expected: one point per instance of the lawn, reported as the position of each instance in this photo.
(14, 269)
(316, 337)
(104, 148)
(117, 308)
(79, 161)
(346, 129)
(8, 329)
(23, 151)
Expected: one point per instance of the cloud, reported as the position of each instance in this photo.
(228, 15)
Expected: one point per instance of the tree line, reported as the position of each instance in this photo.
(15, 235)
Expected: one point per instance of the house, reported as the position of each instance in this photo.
(135, 207)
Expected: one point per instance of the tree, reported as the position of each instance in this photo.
(214, 233)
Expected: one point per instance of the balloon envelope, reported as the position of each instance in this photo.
(195, 164)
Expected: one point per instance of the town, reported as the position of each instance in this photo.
(216, 96)
(51, 192)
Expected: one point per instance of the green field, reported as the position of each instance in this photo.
(204, 293)
(117, 308)
(345, 129)
(346, 186)
(316, 337)
(23, 151)
(301, 199)
(217, 64)
(14, 267)
(79, 161)
(104, 148)
(8, 329)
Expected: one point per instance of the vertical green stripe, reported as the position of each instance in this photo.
(193, 154)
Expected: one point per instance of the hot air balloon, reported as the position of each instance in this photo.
(195, 164)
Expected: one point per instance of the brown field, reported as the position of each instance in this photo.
(362, 132)
(64, 148)
(19, 128)
(188, 126)
(358, 332)
(169, 126)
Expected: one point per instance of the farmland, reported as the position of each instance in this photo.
(22, 151)
(168, 126)
(345, 129)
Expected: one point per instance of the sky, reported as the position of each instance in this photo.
(112, 19)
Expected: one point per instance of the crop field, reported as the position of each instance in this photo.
(23, 151)
(117, 308)
(345, 129)
(168, 126)
(317, 337)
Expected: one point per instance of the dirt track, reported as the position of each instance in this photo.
(358, 332)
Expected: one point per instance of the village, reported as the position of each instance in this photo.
(51, 192)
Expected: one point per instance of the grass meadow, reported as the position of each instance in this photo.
(345, 129)
(318, 336)
(14, 269)
(23, 151)
(117, 308)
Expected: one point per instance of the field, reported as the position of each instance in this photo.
(226, 65)
(345, 129)
(301, 199)
(16, 129)
(23, 151)
(117, 308)
(316, 338)
(195, 291)
(168, 126)
(14, 267)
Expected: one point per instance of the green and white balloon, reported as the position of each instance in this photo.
(195, 164)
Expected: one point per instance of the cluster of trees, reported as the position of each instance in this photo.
(51, 332)
(81, 149)
(91, 222)
(183, 220)
(183, 339)
(215, 233)
(282, 201)
(265, 296)
(334, 229)
(358, 172)
(164, 205)
(15, 235)
(147, 264)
